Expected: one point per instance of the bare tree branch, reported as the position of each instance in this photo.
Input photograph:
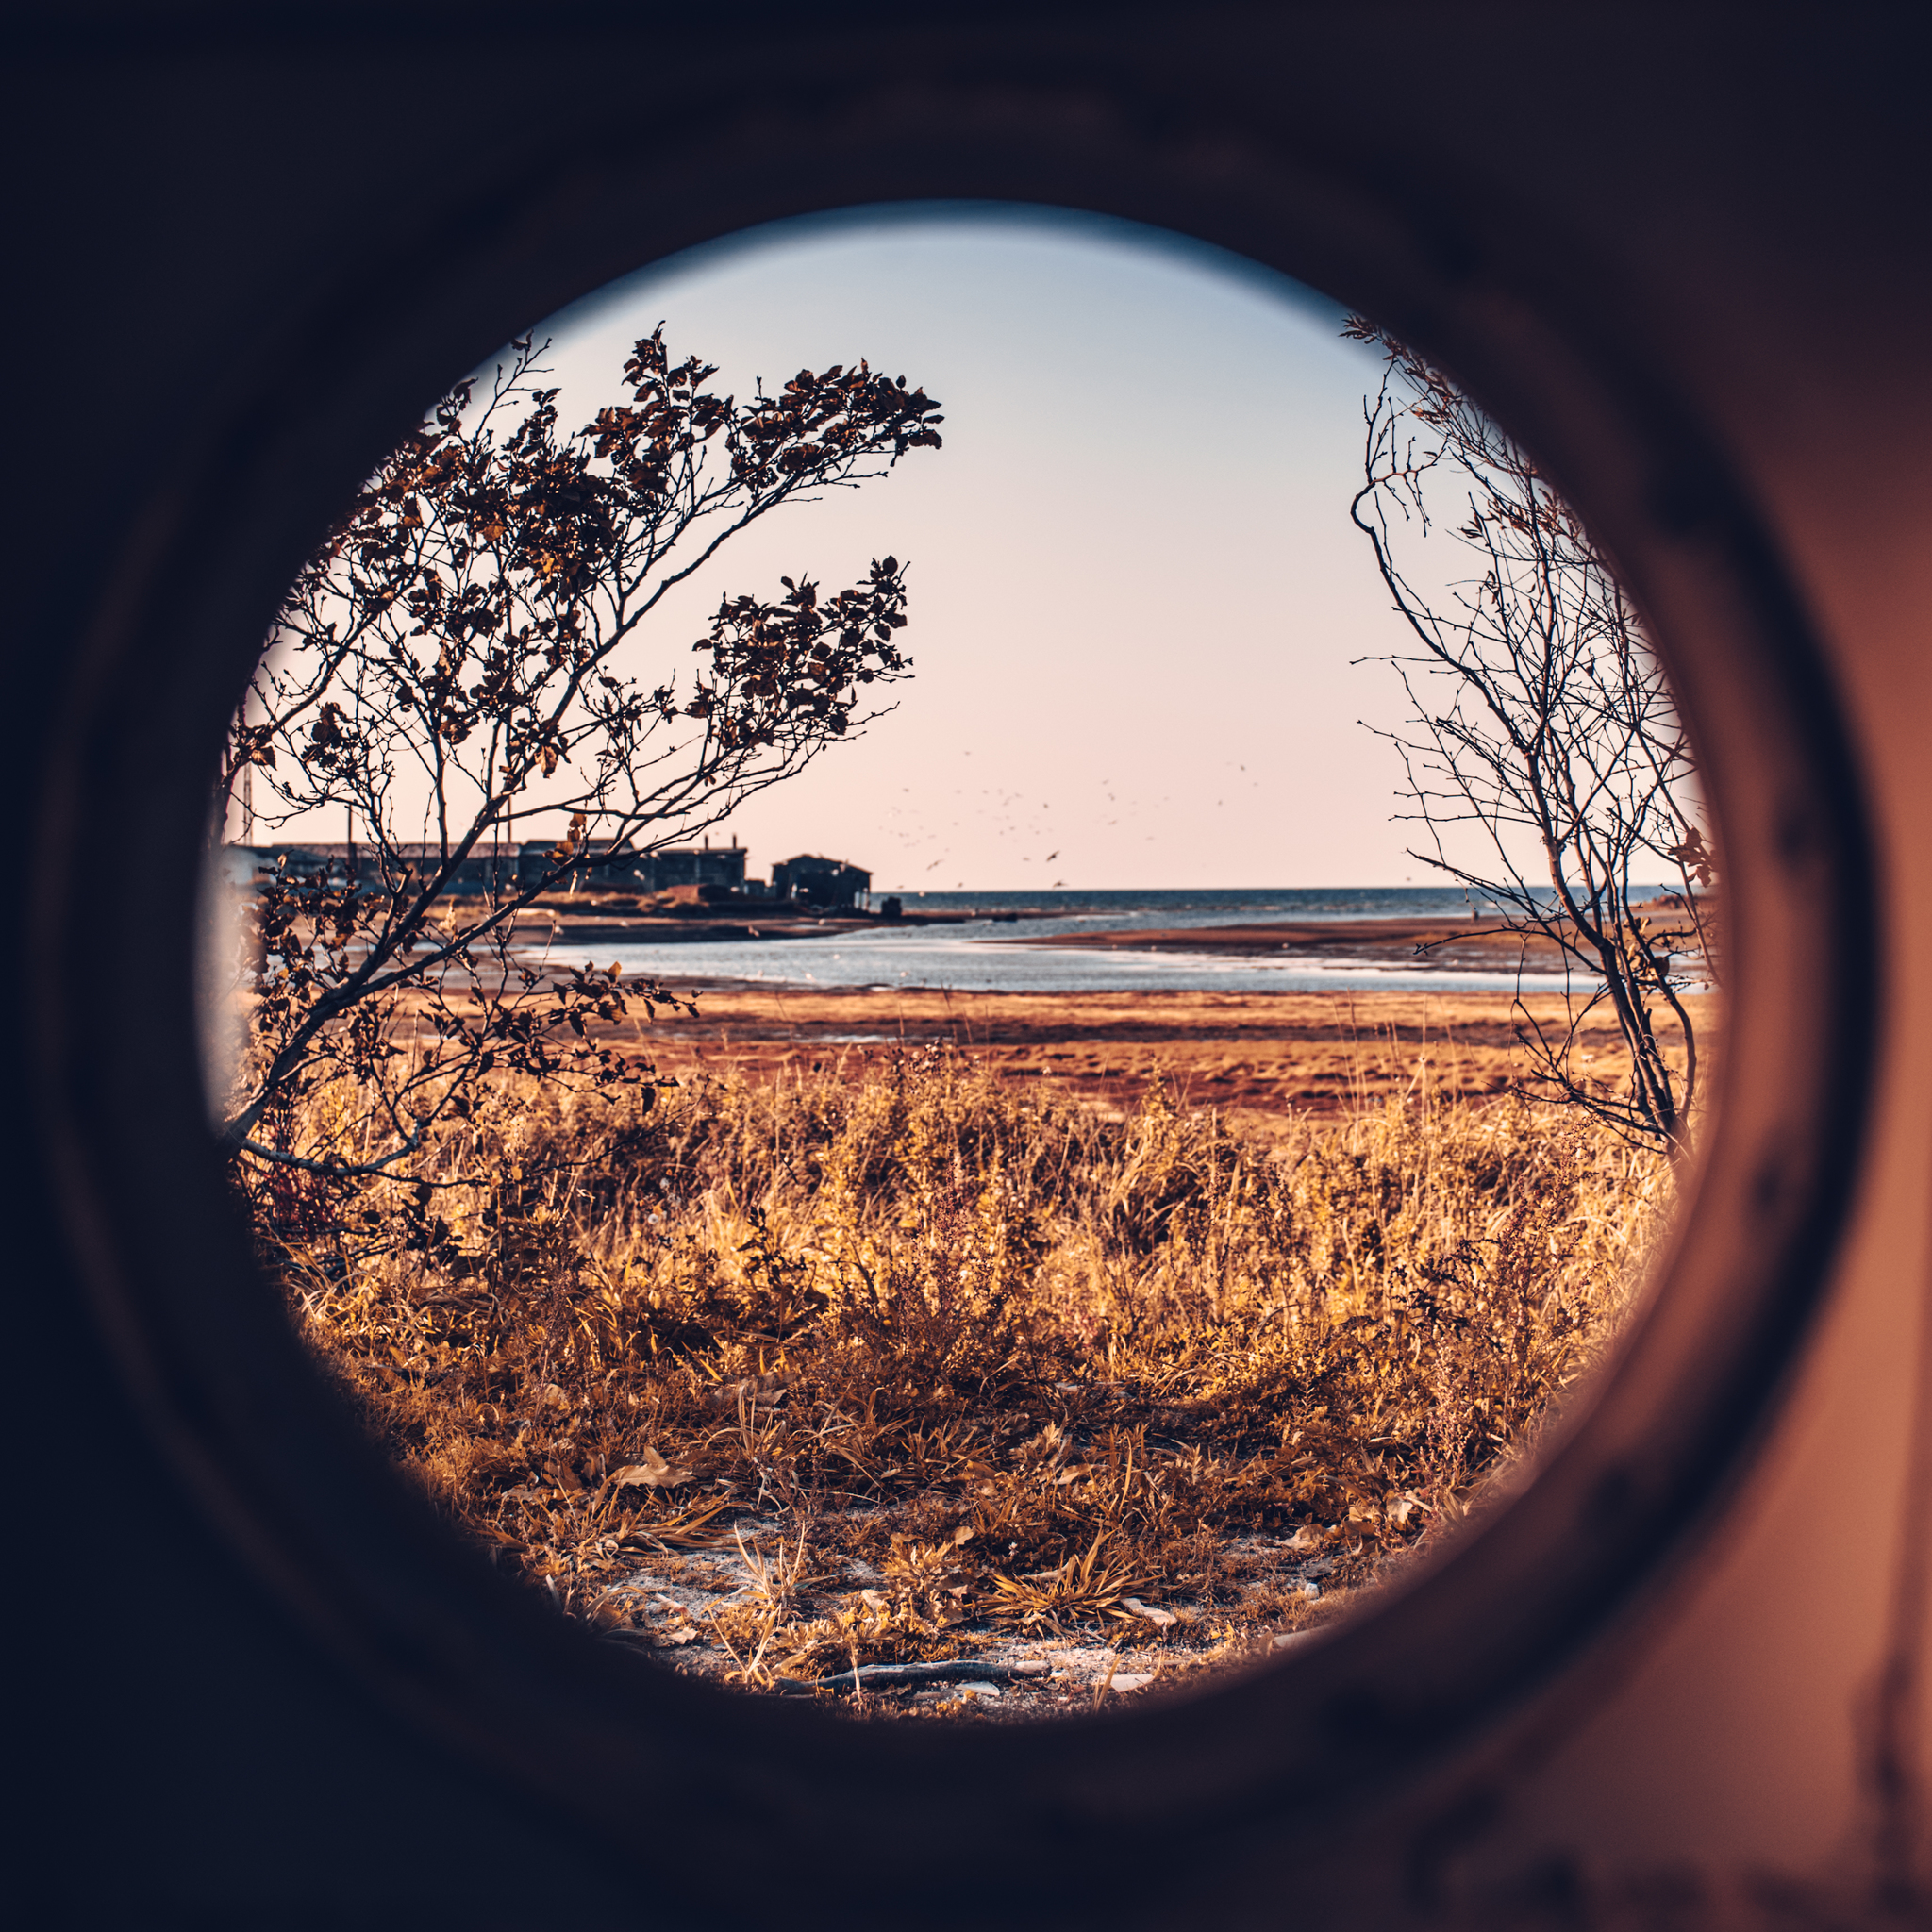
(467, 639)
(1540, 724)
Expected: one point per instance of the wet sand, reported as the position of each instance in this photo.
(1417, 944)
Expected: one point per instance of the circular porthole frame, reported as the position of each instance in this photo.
(1512, 1619)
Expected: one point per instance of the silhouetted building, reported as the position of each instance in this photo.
(718, 867)
(708, 865)
(483, 870)
(699, 874)
(826, 884)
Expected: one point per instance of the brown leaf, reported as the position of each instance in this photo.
(653, 1472)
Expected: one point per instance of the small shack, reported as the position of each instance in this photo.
(826, 885)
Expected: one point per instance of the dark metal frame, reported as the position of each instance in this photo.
(1394, 1717)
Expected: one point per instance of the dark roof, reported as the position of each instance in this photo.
(812, 861)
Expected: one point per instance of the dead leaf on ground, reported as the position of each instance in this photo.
(653, 1472)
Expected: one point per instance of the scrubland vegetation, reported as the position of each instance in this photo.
(904, 1360)
(937, 1363)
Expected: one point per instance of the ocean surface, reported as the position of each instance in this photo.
(976, 956)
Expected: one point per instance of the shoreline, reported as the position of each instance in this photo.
(1416, 945)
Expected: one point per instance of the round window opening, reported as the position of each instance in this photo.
(960, 966)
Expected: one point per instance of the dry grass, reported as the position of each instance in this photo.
(1262, 1059)
(787, 1379)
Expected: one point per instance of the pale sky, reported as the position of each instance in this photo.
(1134, 592)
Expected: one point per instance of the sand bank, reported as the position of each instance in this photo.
(1412, 943)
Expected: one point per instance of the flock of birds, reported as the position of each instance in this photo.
(1012, 818)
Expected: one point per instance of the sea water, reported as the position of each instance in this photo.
(978, 955)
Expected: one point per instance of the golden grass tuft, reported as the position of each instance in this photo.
(1012, 1367)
